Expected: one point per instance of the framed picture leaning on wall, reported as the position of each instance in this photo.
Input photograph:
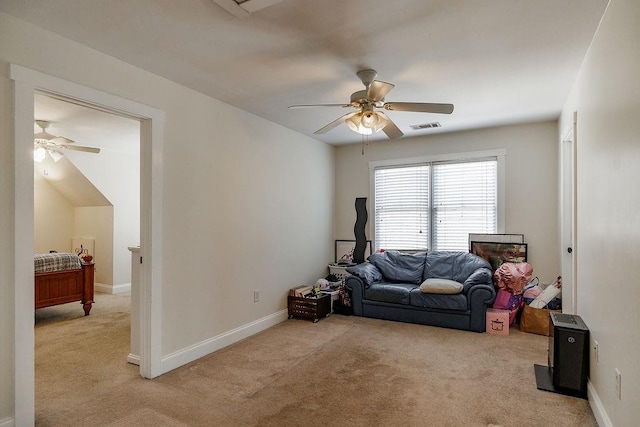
(497, 252)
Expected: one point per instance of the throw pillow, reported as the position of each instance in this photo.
(440, 286)
(367, 272)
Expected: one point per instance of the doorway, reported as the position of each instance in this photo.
(27, 83)
(85, 199)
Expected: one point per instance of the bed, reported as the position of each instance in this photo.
(61, 278)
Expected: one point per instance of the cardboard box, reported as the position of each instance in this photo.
(497, 321)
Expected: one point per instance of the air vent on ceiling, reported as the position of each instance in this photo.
(426, 126)
(242, 8)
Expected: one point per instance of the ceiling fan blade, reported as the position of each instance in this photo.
(378, 90)
(333, 124)
(419, 107)
(80, 148)
(62, 140)
(318, 105)
(391, 129)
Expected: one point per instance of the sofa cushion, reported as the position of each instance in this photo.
(440, 301)
(367, 272)
(456, 266)
(441, 286)
(399, 267)
(397, 293)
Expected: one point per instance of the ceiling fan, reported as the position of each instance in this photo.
(366, 120)
(45, 143)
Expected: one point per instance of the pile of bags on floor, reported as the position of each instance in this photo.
(518, 293)
(511, 279)
(538, 302)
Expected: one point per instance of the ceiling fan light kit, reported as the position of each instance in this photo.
(366, 120)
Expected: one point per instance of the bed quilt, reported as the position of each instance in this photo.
(59, 261)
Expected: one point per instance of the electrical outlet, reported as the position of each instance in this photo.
(618, 384)
(595, 351)
(256, 295)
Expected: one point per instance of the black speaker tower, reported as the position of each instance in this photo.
(568, 357)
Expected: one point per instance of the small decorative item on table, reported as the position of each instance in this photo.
(310, 307)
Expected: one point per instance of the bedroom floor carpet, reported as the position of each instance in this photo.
(341, 371)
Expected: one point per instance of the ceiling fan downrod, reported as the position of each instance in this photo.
(367, 76)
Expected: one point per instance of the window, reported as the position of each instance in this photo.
(402, 207)
(434, 205)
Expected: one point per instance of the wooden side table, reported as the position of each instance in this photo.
(309, 308)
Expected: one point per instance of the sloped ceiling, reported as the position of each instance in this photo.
(498, 61)
(65, 177)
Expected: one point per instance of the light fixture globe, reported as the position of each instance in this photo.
(39, 154)
(374, 120)
(369, 120)
(355, 124)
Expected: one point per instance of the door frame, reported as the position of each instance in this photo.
(568, 222)
(26, 84)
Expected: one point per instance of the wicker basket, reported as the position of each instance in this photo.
(310, 308)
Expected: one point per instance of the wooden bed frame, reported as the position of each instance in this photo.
(61, 287)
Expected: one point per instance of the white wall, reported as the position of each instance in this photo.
(250, 208)
(96, 222)
(606, 96)
(117, 176)
(531, 181)
(53, 218)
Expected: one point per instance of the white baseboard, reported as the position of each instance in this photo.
(597, 407)
(133, 359)
(8, 422)
(208, 346)
(112, 289)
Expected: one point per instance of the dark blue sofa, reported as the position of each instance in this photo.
(387, 286)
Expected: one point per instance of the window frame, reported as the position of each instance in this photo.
(499, 154)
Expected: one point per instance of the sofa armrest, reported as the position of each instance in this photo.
(479, 298)
(480, 294)
(482, 276)
(356, 286)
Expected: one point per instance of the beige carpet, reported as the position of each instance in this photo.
(341, 371)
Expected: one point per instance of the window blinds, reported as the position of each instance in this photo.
(464, 201)
(402, 208)
(434, 206)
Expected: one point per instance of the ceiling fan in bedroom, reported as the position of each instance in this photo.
(44, 143)
(366, 119)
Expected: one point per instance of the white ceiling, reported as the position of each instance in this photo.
(87, 126)
(498, 61)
